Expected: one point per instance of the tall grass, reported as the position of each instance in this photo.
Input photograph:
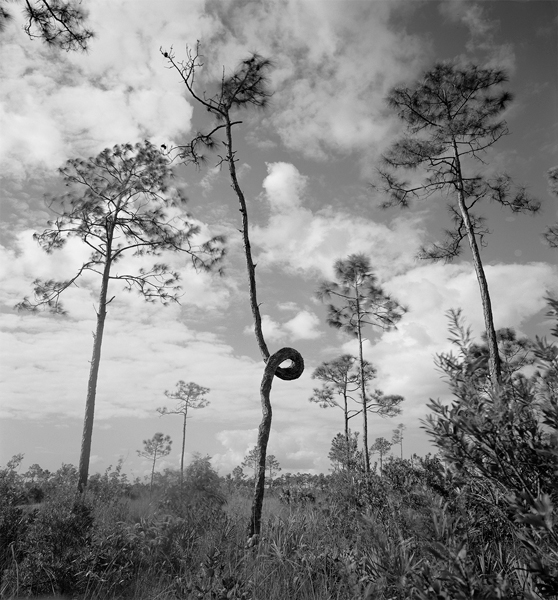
(409, 533)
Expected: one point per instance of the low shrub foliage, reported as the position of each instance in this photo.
(475, 521)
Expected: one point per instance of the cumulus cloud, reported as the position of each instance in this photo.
(303, 241)
(48, 363)
(404, 357)
(284, 186)
(26, 261)
(53, 353)
(272, 330)
(55, 106)
(333, 65)
(303, 326)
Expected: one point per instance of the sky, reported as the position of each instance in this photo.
(306, 163)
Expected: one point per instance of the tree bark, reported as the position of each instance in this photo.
(271, 369)
(85, 453)
(153, 470)
(183, 445)
(273, 361)
(251, 267)
(362, 389)
(494, 365)
(346, 415)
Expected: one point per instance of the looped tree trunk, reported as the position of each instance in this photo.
(272, 368)
(286, 373)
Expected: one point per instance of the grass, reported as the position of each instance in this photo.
(410, 534)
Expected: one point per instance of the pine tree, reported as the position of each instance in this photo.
(361, 302)
(120, 204)
(452, 117)
(189, 395)
(246, 87)
(156, 448)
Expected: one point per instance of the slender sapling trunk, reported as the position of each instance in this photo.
(495, 366)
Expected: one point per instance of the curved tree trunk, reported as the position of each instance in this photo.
(85, 453)
(272, 367)
(495, 365)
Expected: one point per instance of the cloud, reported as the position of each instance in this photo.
(270, 328)
(209, 178)
(303, 241)
(304, 326)
(483, 33)
(283, 186)
(25, 261)
(237, 443)
(54, 106)
(404, 357)
(144, 352)
(292, 448)
(53, 353)
(328, 92)
(333, 65)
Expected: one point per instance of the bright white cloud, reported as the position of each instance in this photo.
(304, 326)
(404, 357)
(26, 261)
(284, 186)
(271, 330)
(333, 64)
(303, 241)
(54, 106)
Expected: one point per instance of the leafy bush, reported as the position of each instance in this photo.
(503, 446)
(55, 550)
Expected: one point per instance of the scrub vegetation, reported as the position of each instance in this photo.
(476, 520)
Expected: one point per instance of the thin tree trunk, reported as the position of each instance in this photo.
(346, 414)
(495, 367)
(85, 453)
(362, 390)
(272, 367)
(153, 471)
(183, 445)
(251, 267)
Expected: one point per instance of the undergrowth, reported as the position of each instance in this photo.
(477, 521)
